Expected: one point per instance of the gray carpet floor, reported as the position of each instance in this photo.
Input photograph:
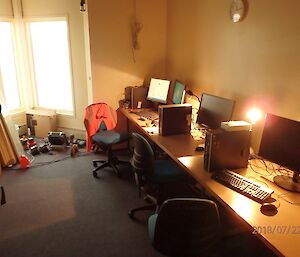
(59, 209)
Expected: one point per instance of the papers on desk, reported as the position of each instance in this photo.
(197, 134)
(151, 130)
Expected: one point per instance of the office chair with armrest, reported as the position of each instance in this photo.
(100, 122)
(185, 227)
(2, 194)
(152, 176)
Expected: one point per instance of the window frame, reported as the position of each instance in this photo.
(18, 65)
(33, 83)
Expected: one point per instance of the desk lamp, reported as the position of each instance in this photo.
(190, 92)
(194, 125)
(254, 114)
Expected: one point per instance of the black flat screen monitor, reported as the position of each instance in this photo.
(280, 143)
(158, 90)
(213, 110)
(178, 92)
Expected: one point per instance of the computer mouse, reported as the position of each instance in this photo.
(268, 208)
(199, 148)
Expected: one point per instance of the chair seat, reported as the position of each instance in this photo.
(109, 137)
(165, 171)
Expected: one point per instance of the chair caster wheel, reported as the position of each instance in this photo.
(95, 175)
(131, 214)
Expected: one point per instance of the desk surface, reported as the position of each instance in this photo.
(280, 232)
(175, 146)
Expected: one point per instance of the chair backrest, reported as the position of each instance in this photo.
(187, 227)
(143, 157)
(98, 116)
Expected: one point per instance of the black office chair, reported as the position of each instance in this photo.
(104, 138)
(152, 176)
(185, 227)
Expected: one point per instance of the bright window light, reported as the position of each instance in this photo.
(8, 67)
(51, 62)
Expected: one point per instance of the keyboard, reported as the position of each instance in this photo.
(243, 185)
(147, 114)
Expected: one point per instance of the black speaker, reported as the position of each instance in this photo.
(134, 95)
(226, 149)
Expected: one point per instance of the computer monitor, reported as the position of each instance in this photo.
(158, 90)
(280, 143)
(178, 92)
(213, 110)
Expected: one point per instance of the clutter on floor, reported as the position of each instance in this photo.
(56, 144)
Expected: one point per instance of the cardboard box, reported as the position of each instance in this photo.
(41, 122)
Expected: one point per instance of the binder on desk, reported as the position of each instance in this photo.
(174, 119)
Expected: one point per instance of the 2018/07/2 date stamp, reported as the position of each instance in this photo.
(276, 229)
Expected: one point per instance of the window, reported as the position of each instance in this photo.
(51, 64)
(8, 67)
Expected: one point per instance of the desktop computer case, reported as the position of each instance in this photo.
(174, 119)
(134, 95)
(226, 149)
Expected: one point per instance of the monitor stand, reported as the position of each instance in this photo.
(288, 183)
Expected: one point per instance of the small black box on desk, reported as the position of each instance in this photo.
(134, 95)
(174, 119)
(226, 149)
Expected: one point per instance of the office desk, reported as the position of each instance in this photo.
(175, 146)
(280, 232)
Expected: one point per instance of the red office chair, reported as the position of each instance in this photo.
(100, 122)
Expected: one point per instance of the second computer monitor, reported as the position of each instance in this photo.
(158, 90)
(178, 93)
(213, 110)
(280, 143)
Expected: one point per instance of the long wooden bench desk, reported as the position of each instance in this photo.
(280, 232)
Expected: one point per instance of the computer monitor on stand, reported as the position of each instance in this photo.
(178, 93)
(213, 110)
(158, 91)
(280, 143)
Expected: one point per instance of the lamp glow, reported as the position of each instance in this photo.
(254, 115)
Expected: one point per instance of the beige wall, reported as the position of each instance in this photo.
(6, 8)
(113, 65)
(256, 61)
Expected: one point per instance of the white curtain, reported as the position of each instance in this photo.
(10, 146)
(4, 110)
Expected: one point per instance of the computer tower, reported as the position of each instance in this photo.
(226, 149)
(134, 95)
(174, 119)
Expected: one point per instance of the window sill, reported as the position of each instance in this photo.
(13, 112)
